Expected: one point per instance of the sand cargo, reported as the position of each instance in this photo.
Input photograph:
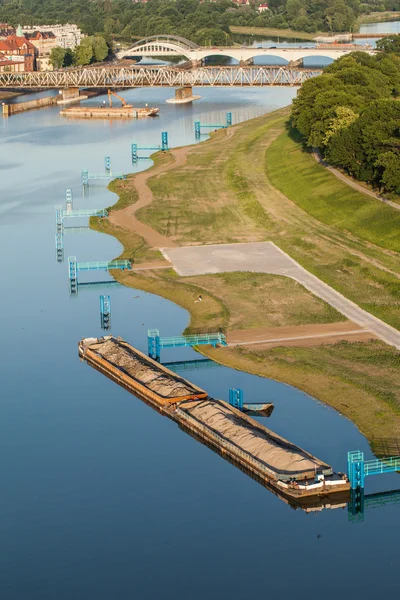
(288, 470)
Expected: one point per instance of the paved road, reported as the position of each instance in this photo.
(266, 257)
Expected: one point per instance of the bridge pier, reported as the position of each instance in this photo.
(246, 63)
(70, 95)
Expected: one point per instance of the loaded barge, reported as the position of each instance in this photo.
(286, 469)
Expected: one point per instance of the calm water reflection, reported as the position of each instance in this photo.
(101, 497)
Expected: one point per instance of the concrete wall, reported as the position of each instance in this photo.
(11, 109)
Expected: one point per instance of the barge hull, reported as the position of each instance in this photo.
(275, 462)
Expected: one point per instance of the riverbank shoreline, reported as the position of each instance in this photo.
(336, 379)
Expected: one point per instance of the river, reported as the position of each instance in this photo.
(101, 496)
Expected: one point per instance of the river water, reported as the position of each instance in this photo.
(101, 496)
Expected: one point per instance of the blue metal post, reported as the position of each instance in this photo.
(197, 130)
(107, 165)
(355, 469)
(68, 200)
(153, 344)
(73, 275)
(228, 119)
(85, 177)
(356, 505)
(59, 219)
(105, 312)
(164, 140)
(236, 398)
(60, 247)
(134, 152)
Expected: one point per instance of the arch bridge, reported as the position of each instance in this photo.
(169, 45)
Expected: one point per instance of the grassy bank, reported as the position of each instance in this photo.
(275, 33)
(224, 194)
(377, 17)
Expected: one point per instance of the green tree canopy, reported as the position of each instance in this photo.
(57, 56)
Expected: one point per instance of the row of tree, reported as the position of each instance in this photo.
(202, 21)
(351, 113)
(91, 49)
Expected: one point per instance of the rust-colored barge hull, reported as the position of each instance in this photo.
(286, 469)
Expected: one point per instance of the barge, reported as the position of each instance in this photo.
(100, 112)
(286, 469)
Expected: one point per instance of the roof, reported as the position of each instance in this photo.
(13, 42)
(40, 35)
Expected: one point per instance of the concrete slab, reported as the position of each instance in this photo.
(266, 257)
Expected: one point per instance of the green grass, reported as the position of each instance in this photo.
(273, 32)
(259, 300)
(134, 247)
(127, 194)
(347, 376)
(297, 175)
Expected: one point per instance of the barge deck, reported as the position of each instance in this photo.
(93, 112)
(286, 469)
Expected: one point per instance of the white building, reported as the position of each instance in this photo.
(67, 36)
(263, 7)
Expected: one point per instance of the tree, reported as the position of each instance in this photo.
(391, 43)
(100, 48)
(345, 116)
(57, 57)
(83, 54)
(389, 163)
(69, 57)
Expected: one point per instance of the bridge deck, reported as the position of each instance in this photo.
(129, 77)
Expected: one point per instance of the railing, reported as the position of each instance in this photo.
(193, 340)
(100, 265)
(85, 212)
(385, 465)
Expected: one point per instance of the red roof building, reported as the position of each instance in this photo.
(15, 45)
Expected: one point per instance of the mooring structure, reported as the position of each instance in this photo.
(236, 398)
(87, 176)
(164, 147)
(155, 343)
(105, 312)
(74, 267)
(358, 469)
(198, 126)
(80, 213)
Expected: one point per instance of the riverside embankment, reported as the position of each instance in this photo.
(353, 369)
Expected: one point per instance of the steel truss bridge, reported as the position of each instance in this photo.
(129, 77)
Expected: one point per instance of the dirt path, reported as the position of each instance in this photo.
(299, 335)
(126, 218)
(353, 184)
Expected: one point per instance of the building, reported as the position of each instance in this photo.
(11, 66)
(263, 7)
(17, 48)
(6, 30)
(44, 41)
(66, 36)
